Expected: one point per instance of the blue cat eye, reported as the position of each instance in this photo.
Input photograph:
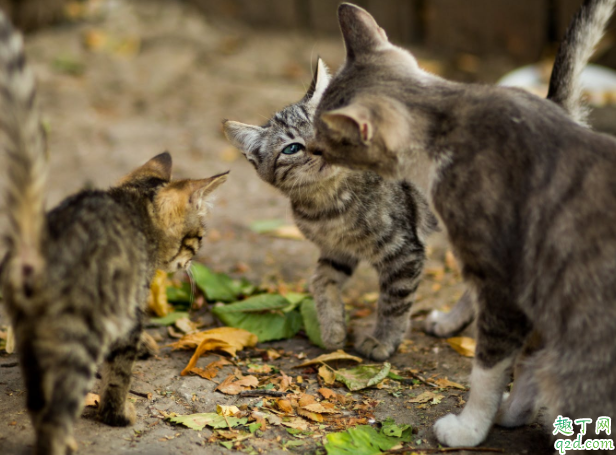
(292, 149)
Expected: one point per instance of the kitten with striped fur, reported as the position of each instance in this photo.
(349, 215)
(75, 280)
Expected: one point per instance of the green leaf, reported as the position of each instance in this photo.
(217, 287)
(261, 315)
(395, 376)
(181, 294)
(226, 444)
(170, 318)
(68, 64)
(390, 428)
(264, 226)
(361, 440)
(210, 419)
(363, 376)
(311, 322)
(254, 426)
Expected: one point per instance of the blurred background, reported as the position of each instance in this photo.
(123, 80)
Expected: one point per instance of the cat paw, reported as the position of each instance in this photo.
(374, 349)
(126, 417)
(334, 337)
(512, 415)
(437, 324)
(454, 431)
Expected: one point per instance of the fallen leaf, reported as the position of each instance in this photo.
(363, 376)
(327, 393)
(310, 415)
(272, 354)
(92, 400)
(445, 383)
(169, 319)
(320, 409)
(295, 422)
(9, 347)
(265, 226)
(333, 356)
(327, 374)
(231, 387)
(186, 325)
(463, 345)
(291, 232)
(219, 287)
(285, 406)
(228, 411)
(210, 371)
(210, 419)
(306, 399)
(260, 369)
(157, 300)
(362, 440)
(311, 322)
(426, 397)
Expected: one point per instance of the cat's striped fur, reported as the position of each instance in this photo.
(350, 216)
(75, 280)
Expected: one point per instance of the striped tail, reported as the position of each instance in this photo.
(22, 140)
(584, 33)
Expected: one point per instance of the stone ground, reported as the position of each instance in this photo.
(140, 77)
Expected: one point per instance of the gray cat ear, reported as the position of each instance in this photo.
(158, 167)
(319, 83)
(246, 138)
(352, 122)
(360, 31)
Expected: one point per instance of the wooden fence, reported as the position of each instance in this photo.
(523, 29)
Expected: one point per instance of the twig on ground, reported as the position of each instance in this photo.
(262, 393)
(146, 395)
(9, 365)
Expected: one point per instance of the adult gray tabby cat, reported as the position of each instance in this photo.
(75, 280)
(349, 215)
(528, 198)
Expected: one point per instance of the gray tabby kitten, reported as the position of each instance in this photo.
(75, 280)
(350, 216)
(528, 198)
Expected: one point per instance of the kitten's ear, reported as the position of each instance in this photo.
(319, 83)
(360, 31)
(352, 122)
(246, 138)
(200, 191)
(158, 167)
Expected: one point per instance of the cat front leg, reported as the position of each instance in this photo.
(399, 277)
(501, 332)
(330, 275)
(116, 373)
(445, 325)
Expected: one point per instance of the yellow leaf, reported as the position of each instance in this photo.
(285, 406)
(310, 415)
(226, 339)
(210, 371)
(463, 345)
(231, 387)
(337, 355)
(426, 397)
(9, 347)
(228, 411)
(287, 232)
(186, 325)
(445, 383)
(327, 374)
(296, 423)
(320, 409)
(92, 400)
(157, 300)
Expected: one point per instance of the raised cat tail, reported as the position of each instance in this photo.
(583, 34)
(22, 139)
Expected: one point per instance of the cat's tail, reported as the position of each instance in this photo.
(584, 33)
(22, 142)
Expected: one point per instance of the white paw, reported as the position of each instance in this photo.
(334, 336)
(454, 431)
(512, 414)
(374, 349)
(436, 324)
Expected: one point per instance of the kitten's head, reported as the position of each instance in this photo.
(177, 208)
(360, 121)
(277, 149)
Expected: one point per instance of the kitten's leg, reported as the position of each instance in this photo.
(398, 281)
(329, 277)
(501, 331)
(57, 376)
(115, 410)
(444, 325)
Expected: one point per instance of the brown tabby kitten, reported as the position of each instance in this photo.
(75, 280)
(529, 202)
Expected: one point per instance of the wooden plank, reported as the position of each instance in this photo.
(517, 28)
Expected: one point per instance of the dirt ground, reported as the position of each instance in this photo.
(140, 77)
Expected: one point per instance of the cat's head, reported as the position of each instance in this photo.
(277, 149)
(177, 208)
(361, 122)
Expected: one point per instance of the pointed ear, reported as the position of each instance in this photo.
(352, 122)
(200, 191)
(158, 167)
(246, 138)
(319, 83)
(360, 31)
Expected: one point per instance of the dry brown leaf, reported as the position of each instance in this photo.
(310, 415)
(284, 406)
(226, 339)
(327, 393)
(228, 411)
(157, 300)
(285, 382)
(260, 417)
(327, 374)
(463, 345)
(186, 325)
(296, 423)
(445, 383)
(92, 400)
(306, 399)
(426, 397)
(231, 387)
(333, 356)
(272, 354)
(320, 408)
(287, 232)
(9, 347)
(210, 371)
